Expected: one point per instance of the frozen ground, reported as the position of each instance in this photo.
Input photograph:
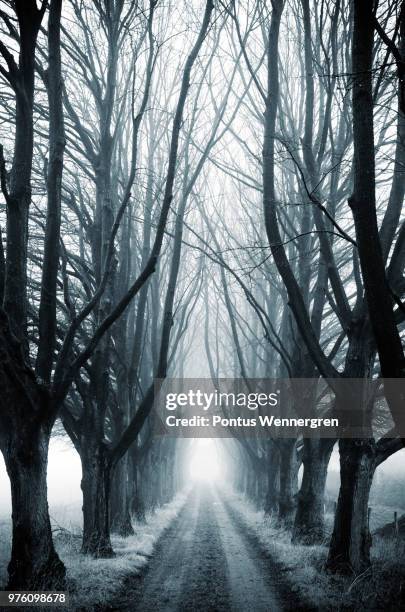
(381, 588)
(212, 550)
(207, 561)
(94, 582)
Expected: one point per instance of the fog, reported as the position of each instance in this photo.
(206, 462)
(64, 475)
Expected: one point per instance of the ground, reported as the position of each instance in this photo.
(211, 550)
(207, 560)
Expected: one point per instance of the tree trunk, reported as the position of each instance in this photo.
(309, 518)
(364, 209)
(34, 563)
(120, 515)
(96, 492)
(251, 486)
(351, 540)
(273, 474)
(288, 482)
(137, 504)
(19, 198)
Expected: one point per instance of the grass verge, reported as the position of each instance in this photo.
(93, 583)
(382, 587)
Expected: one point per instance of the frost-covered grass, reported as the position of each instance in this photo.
(94, 582)
(380, 588)
(379, 517)
(98, 580)
(5, 550)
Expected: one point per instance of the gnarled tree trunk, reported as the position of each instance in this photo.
(351, 540)
(34, 563)
(96, 492)
(309, 518)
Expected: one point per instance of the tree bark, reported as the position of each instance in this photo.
(27, 409)
(363, 206)
(273, 478)
(309, 518)
(47, 307)
(137, 505)
(288, 481)
(22, 79)
(119, 507)
(351, 540)
(34, 564)
(96, 492)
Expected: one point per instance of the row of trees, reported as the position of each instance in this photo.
(325, 280)
(89, 198)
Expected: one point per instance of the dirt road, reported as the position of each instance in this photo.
(206, 561)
